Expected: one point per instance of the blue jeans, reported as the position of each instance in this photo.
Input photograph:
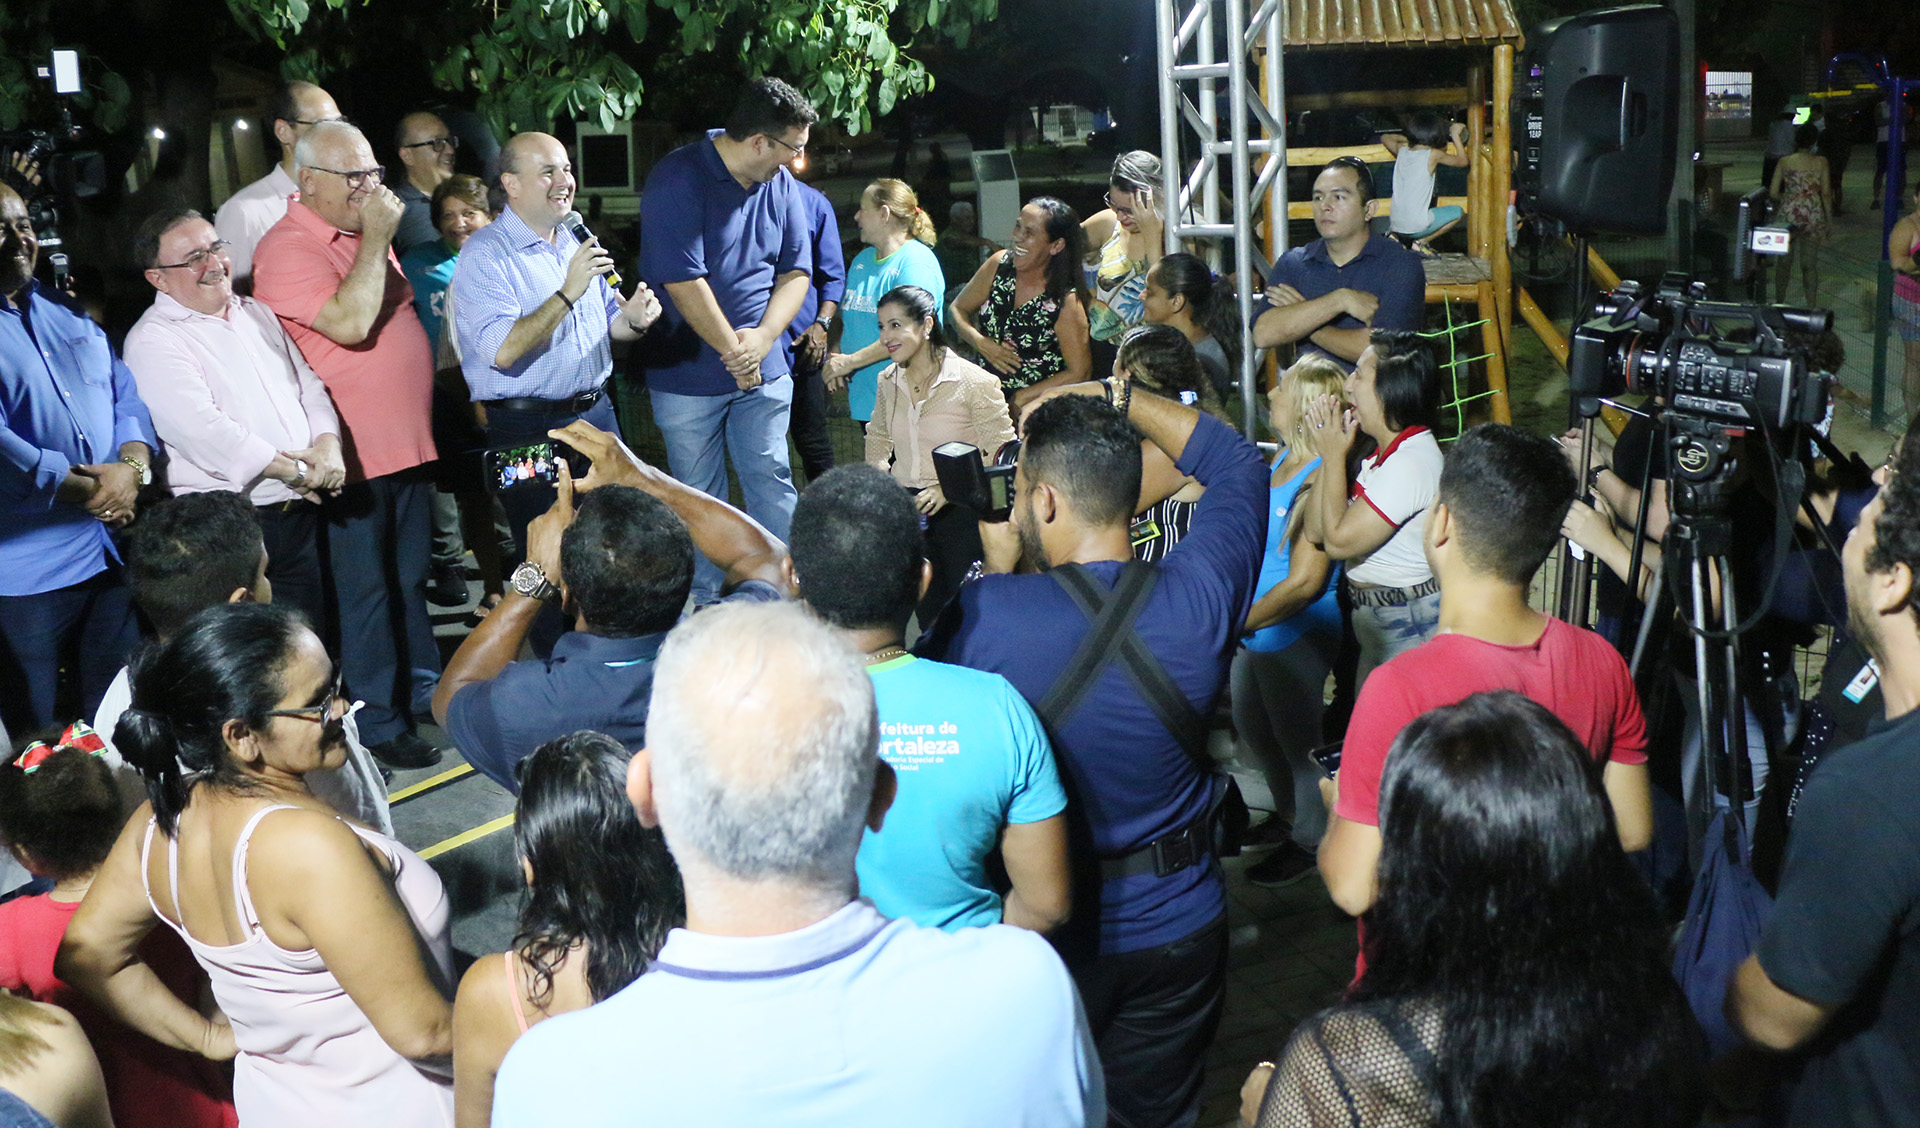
(1388, 632)
(753, 425)
(86, 628)
(378, 539)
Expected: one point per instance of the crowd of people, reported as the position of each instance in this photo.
(808, 787)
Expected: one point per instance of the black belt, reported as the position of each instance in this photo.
(291, 505)
(1166, 855)
(577, 403)
(1390, 597)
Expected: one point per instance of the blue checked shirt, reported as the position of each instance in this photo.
(505, 272)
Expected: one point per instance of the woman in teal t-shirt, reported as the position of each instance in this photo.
(899, 252)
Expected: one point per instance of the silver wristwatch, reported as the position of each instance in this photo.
(529, 580)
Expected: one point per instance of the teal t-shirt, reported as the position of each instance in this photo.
(971, 758)
(429, 267)
(868, 280)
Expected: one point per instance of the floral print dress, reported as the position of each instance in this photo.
(1027, 326)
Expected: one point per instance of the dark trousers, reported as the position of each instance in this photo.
(86, 630)
(524, 502)
(378, 538)
(808, 422)
(291, 531)
(953, 544)
(1153, 1014)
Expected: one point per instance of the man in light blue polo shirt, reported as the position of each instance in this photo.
(535, 317)
(725, 236)
(786, 999)
(975, 768)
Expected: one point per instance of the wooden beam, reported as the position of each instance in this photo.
(1500, 185)
(1432, 96)
(1494, 342)
(1605, 276)
(1320, 154)
(1548, 332)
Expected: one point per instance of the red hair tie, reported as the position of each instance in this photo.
(77, 735)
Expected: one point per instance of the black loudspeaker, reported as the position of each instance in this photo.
(1596, 111)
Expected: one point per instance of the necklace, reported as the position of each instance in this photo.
(886, 654)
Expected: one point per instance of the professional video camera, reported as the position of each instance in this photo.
(47, 167)
(1720, 361)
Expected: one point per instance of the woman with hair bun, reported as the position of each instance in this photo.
(1124, 240)
(899, 252)
(1517, 968)
(602, 894)
(929, 396)
(1182, 292)
(326, 942)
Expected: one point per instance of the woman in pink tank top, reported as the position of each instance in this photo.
(591, 925)
(1902, 243)
(326, 943)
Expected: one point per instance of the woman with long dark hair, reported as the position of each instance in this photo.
(1157, 360)
(1182, 291)
(1517, 971)
(1025, 311)
(602, 894)
(928, 396)
(326, 942)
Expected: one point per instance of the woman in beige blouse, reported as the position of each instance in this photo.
(929, 396)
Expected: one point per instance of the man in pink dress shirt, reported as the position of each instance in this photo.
(328, 270)
(235, 404)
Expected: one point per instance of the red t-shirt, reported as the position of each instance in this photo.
(383, 386)
(1575, 673)
(148, 1085)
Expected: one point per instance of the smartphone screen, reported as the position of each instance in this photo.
(516, 466)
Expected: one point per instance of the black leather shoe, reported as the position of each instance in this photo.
(447, 587)
(406, 752)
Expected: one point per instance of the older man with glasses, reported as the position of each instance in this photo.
(250, 212)
(426, 147)
(235, 404)
(329, 271)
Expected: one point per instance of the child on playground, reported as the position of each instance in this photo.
(1428, 143)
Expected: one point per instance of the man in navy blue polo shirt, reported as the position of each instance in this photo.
(725, 236)
(1328, 295)
(1155, 989)
(623, 563)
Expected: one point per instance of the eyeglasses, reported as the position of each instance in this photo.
(320, 121)
(798, 150)
(358, 178)
(198, 260)
(321, 713)
(440, 144)
(1117, 210)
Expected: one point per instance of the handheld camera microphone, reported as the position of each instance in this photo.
(578, 226)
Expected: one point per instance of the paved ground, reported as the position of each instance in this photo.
(1292, 951)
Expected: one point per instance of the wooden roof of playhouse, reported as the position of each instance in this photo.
(1400, 23)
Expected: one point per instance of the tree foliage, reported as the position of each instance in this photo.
(530, 62)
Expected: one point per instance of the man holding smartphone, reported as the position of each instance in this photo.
(536, 313)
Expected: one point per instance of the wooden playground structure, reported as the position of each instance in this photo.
(1483, 275)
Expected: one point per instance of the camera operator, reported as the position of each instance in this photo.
(1155, 989)
(76, 445)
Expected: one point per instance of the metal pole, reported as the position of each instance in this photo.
(1242, 186)
(1166, 13)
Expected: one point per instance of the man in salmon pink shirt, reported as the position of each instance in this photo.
(328, 270)
(1501, 501)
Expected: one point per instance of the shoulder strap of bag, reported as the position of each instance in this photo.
(1113, 618)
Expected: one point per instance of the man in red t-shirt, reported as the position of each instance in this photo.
(1502, 497)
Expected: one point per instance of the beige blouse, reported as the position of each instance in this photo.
(965, 404)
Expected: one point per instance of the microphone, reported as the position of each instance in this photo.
(578, 226)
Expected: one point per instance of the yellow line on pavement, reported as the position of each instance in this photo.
(426, 785)
(466, 836)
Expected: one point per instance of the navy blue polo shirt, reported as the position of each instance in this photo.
(829, 262)
(697, 222)
(590, 682)
(1383, 268)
